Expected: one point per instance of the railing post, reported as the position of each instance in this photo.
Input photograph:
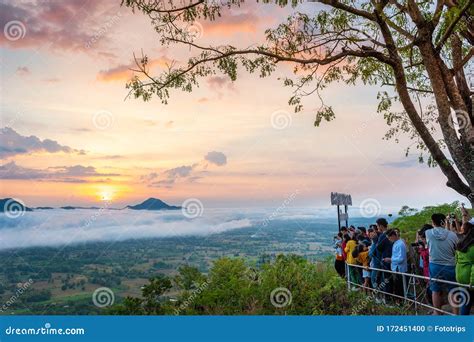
(408, 279)
(404, 287)
(416, 297)
(348, 277)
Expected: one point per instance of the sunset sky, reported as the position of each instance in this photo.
(69, 136)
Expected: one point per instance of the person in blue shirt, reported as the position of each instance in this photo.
(374, 255)
(398, 261)
(384, 247)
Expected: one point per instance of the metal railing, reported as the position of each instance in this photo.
(411, 282)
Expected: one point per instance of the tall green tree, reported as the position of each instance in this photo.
(151, 301)
(418, 48)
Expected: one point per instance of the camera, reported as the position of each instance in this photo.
(418, 244)
(452, 218)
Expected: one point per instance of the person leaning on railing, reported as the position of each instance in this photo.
(374, 256)
(442, 247)
(384, 246)
(363, 260)
(421, 248)
(398, 261)
(465, 264)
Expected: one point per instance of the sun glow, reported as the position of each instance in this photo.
(106, 196)
(107, 193)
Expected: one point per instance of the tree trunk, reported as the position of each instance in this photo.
(454, 180)
(447, 96)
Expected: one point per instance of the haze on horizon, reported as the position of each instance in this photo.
(68, 137)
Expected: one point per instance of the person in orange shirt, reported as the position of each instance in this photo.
(363, 259)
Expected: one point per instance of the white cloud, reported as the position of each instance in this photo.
(168, 178)
(217, 158)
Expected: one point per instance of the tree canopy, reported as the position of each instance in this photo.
(419, 50)
(289, 285)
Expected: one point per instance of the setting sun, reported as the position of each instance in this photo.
(107, 193)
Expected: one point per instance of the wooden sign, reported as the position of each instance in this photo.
(340, 199)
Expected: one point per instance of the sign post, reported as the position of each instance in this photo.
(340, 199)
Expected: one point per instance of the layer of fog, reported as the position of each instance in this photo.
(58, 227)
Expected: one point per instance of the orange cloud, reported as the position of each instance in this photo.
(232, 24)
(123, 72)
(118, 73)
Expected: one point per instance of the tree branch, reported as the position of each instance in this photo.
(347, 8)
(148, 9)
(453, 24)
(410, 88)
(278, 58)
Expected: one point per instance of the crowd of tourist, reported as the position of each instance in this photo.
(443, 250)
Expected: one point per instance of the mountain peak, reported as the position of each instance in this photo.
(153, 204)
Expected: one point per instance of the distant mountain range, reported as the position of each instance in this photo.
(9, 204)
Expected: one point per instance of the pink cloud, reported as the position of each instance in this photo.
(51, 80)
(23, 71)
(65, 25)
(219, 83)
